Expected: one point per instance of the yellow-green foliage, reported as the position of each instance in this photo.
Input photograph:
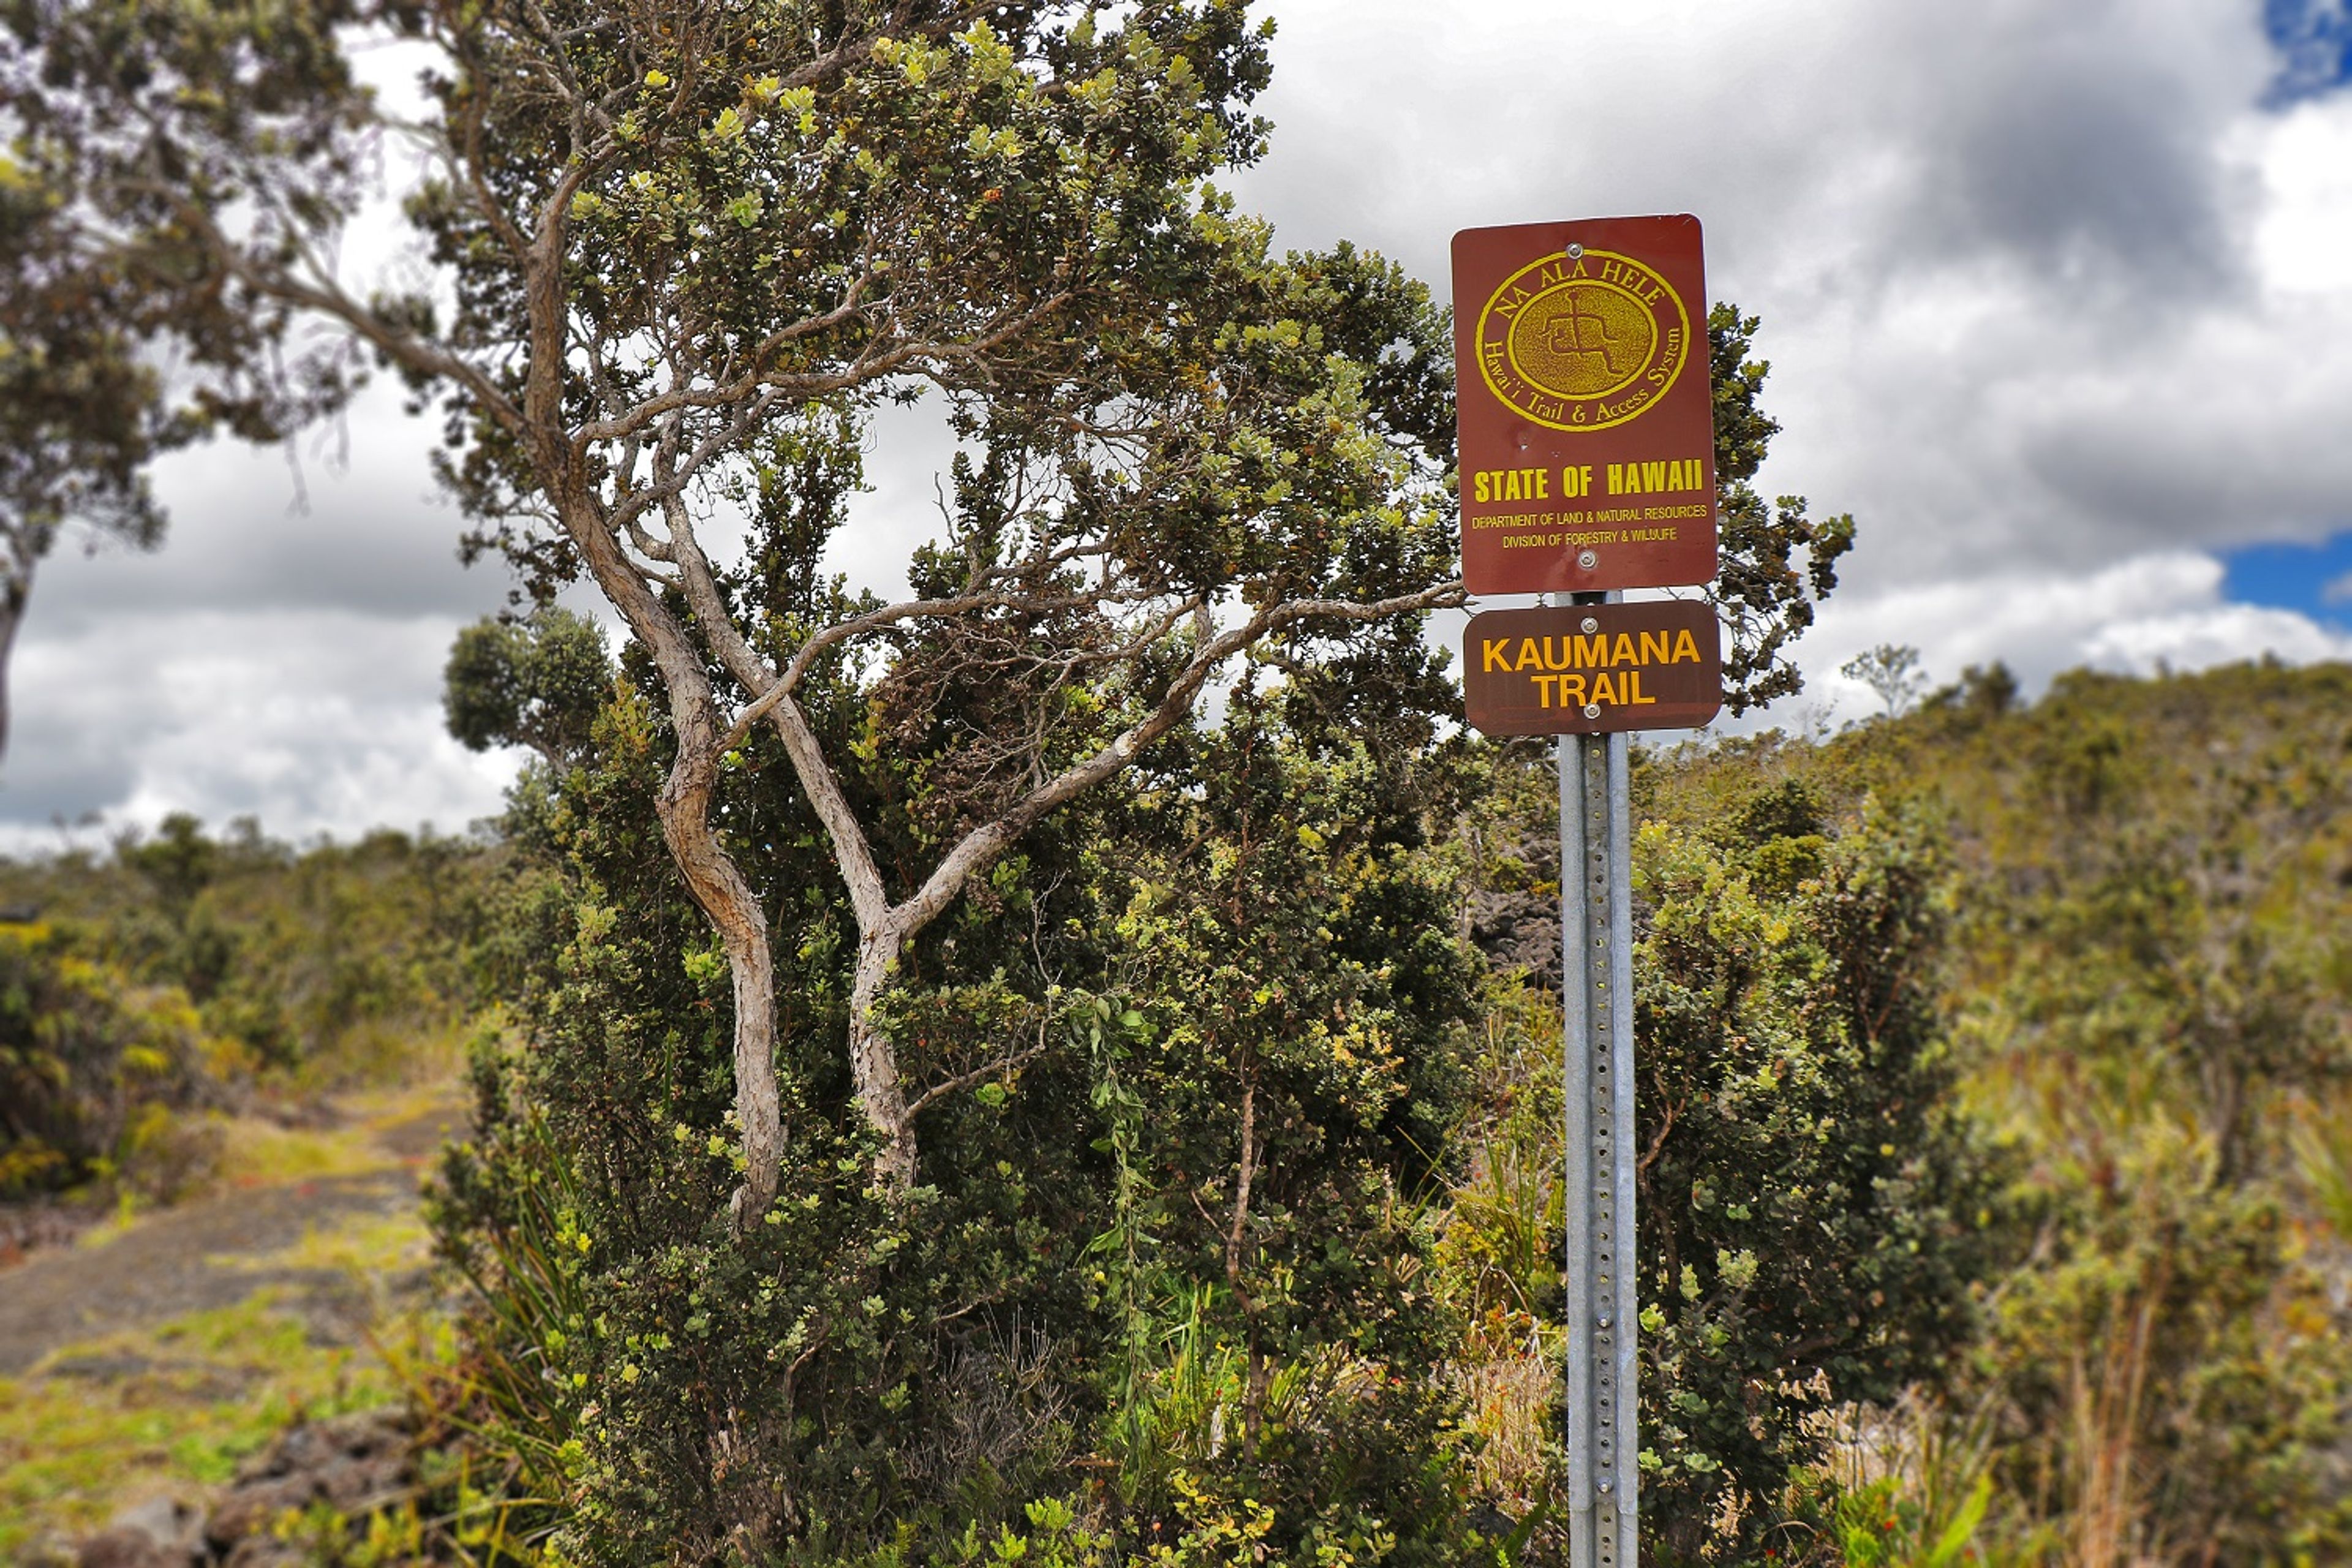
(163, 976)
(92, 1065)
(327, 965)
(2149, 992)
(2142, 1000)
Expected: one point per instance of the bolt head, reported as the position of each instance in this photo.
(1587, 559)
(1592, 709)
(1591, 624)
(1602, 1485)
(1575, 252)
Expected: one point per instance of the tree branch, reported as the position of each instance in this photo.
(327, 297)
(852, 852)
(981, 847)
(965, 1081)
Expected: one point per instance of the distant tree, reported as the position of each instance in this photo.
(122, 336)
(1893, 672)
(1987, 691)
(179, 862)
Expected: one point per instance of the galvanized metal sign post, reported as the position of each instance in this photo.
(1597, 978)
(1587, 459)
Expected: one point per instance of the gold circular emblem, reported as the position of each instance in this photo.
(1582, 342)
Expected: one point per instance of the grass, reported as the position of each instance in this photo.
(171, 1409)
(366, 1247)
(259, 1153)
(197, 1394)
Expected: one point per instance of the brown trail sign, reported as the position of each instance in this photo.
(1587, 428)
(1593, 669)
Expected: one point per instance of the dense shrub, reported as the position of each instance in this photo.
(92, 1068)
(1814, 1214)
(1193, 1058)
(2148, 1003)
(322, 965)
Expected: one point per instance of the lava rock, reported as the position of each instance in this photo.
(354, 1464)
(162, 1533)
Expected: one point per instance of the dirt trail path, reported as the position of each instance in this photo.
(203, 1254)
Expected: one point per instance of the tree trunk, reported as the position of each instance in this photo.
(15, 592)
(1261, 1371)
(711, 875)
(874, 1059)
(743, 925)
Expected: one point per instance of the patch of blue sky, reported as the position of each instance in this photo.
(2314, 38)
(2315, 579)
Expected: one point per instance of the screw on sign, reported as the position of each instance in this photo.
(1587, 423)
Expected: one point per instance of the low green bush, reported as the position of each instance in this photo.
(95, 1068)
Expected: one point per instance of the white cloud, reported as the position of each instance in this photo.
(2042, 280)
(2150, 613)
(269, 659)
(313, 720)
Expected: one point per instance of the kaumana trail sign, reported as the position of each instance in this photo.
(1589, 669)
(1586, 453)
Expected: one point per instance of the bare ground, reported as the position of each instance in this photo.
(199, 1256)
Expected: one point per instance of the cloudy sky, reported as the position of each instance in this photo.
(2057, 294)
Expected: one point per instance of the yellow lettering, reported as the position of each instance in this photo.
(1543, 484)
(1656, 640)
(1488, 662)
(1591, 650)
(1633, 679)
(1602, 691)
(1616, 479)
(1624, 652)
(1480, 485)
(1653, 476)
(1529, 656)
(1571, 691)
(1543, 689)
(1685, 648)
